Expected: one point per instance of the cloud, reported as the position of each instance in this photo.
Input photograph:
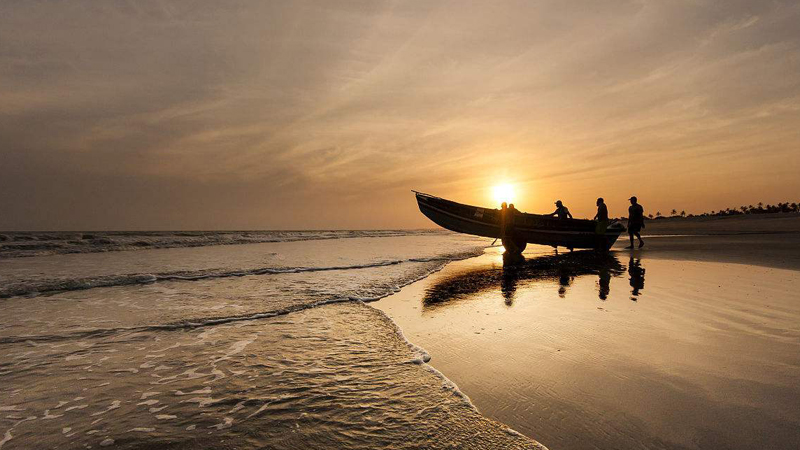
(260, 112)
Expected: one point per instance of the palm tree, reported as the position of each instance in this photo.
(673, 213)
(683, 213)
(658, 213)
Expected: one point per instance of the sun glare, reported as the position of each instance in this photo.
(503, 193)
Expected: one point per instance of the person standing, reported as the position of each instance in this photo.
(635, 221)
(601, 217)
(511, 219)
(503, 220)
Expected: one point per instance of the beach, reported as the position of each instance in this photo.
(692, 342)
(401, 340)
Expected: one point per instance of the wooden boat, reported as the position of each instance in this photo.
(526, 228)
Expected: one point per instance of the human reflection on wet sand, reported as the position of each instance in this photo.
(564, 268)
(604, 283)
(636, 272)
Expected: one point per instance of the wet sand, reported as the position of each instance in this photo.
(690, 343)
(778, 250)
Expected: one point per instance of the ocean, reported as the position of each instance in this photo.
(224, 340)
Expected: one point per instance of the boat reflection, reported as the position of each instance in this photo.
(564, 268)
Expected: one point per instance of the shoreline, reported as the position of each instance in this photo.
(475, 341)
(447, 384)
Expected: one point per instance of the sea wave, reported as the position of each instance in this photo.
(27, 244)
(54, 285)
(375, 295)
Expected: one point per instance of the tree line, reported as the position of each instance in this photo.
(760, 208)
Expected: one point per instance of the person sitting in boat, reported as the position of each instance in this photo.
(561, 211)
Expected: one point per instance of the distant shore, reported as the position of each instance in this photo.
(739, 224)
(769, 240)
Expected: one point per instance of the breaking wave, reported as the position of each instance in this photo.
(25, 244)
(47, 286)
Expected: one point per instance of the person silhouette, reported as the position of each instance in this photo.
(636, 271)
(602, 223)
(564, 281)
(503, 219)
(635, 221)
(602, 211)
(508, 286)
(603, 283)
(561, 211)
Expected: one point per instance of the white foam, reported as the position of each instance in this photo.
(202, 401)
(45, 285)
(76, 407)
(227, 423)
(114, 405)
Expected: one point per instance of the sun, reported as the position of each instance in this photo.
(503, 193)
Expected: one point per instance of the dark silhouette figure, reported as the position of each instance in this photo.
(603, 282)
(635, 221)
(561, 211)
(512, 213)
(503, 219)
(602, 223)
(513, 243)
(602, 211)
(636, 271)
(564, 281)
(508, 285)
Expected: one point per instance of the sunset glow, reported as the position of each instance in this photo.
(503, 193)
(262, 200)
(316, 115)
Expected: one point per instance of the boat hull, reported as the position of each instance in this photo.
(527, 228)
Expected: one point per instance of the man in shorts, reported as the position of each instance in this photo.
(635, 221)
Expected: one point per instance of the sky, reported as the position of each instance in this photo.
(324, 115)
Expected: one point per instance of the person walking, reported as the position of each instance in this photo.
(635, 221)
